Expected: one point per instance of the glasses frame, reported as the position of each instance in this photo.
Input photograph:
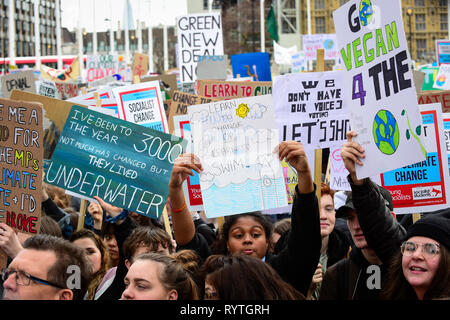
(7, 272)
(417, 245)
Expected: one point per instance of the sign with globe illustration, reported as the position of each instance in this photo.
(365, 12)
(385, 132)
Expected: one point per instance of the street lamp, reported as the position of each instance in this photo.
(409, 12)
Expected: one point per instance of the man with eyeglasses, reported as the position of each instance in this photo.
(48, 268)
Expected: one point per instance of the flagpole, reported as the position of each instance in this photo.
(37, 35)
(263, 35)
(58, 33)
(127, 41)
(12, 33)
(94, 32)
(80, 41)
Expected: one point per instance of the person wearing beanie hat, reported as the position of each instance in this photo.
(421, 269)
(417, 259)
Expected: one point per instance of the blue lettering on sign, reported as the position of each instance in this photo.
(447, 125)
(427, 119)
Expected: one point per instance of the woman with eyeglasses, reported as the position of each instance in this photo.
(421, 268)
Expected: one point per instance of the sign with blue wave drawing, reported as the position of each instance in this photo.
(234, 140)
(125, 164)
(253, 64)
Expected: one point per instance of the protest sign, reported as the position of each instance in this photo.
(338, 172)
(311, 108)
(382, 101)
(442, 97)
(23, 80)
(418, 77)
(21, 158)
(235, 140)
(233, 89)
(167, 84)
(70, 74)
(443, 78)
(140, 64)
(446, 118)
(66, 90)
(328, 42)
(430, 78)
(179, 103)
(47, 88)
(142, 104)
(125, 164)
(283, 55)
(442, 51)
(198, 35)
(423, 186)
(298, 62)
(252, 64)
(104, 65)
(191, 186)
(55, 115)
(212, 67)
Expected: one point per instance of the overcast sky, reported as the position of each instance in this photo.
(151, 11)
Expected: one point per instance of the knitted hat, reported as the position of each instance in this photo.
(436, 227)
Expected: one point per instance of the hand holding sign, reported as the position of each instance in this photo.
(182, 168)
(351, 152)
(111, 210)
(9, 241)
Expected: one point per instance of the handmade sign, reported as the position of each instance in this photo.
(104, 65)
(443, 78)
(442, 51)
(233, 89)
(253, 64)
(311, 108)
(430, 77)
(442, 97)
(283, 55)
(212, 67)
(125, 164)
(66, 90)
(21, 157)
(23, 80)
(198, 35)
(140, 64)
(142, 104)
(191, 186)
(179, 103)
(382, 100)
(328, 42)
(338, 172)
(298, 62)
(235, 140)
(70, 74)
(423, 186)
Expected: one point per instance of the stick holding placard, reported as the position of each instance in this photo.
(318, 152)
(82, 216)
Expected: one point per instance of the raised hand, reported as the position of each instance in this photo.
(351, 153)
(182, 168)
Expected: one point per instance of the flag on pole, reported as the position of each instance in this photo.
(271, 23)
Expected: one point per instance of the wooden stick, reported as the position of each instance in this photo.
(318, 152)
(220, 222)
(167, 223)
(98, 102)
(83, 206)
(416, 217)
(136, 79)
(327, 175)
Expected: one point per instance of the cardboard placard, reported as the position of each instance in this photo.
(21, 159)
(328, 42)
(104, 65)
(140, 64)
(24, 81)
(125, 164)
(69, 74)
(198, 35)
(233, 89)
(382, 100)
(442, 97)
(179, 103)
(55, 115)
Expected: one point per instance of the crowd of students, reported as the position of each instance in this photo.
(358, 251)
